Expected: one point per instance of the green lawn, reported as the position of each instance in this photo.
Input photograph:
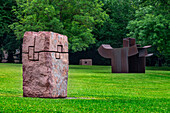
(97, 90)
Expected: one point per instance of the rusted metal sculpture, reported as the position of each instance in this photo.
(129, 59)
(45, 64)
(85, 62)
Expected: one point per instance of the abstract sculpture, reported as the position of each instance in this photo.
(129, 59)
(45, 64)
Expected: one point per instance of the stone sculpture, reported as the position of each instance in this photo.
(85, 62)
(129, 59)
(45, 64)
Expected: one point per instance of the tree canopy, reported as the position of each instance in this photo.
(114, 28)
(151, 26)
(74, 18)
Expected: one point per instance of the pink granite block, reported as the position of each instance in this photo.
(45, 69)
(28, 40)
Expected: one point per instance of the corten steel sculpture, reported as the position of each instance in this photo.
(85, 62)
(129, 59)
(45, 64)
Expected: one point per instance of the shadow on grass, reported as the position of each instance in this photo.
(165, 76)
(80, 67)
(158, 68)
(8, 92)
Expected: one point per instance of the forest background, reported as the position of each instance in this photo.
(88, 24)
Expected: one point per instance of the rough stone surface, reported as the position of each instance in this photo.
(45, 64)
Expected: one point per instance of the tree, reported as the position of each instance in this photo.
(8, 40)
(111, 32)
(74, 18)
(114, 28)
(151, 26)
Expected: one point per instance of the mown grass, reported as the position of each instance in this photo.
(96, 89)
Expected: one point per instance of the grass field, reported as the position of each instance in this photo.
(96, 89)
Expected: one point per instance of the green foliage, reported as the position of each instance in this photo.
(7, 37)
(114, 28)
(151, 29)
(97, 89)
(74, 18)
(8, 40)
(4, 18)
(151, 26)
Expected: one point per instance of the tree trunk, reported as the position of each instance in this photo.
(160, 62)
(10, 57)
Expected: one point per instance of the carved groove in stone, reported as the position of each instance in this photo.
(34, 56)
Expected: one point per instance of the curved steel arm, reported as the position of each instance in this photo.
(105, 50)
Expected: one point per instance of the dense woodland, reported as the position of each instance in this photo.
(88, 24)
